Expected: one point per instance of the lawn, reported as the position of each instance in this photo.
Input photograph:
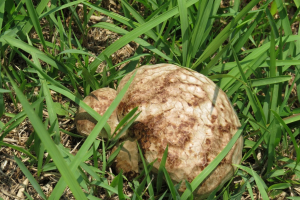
(54, 53)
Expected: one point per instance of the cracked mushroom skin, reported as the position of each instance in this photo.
(188, 112)
(99, 100)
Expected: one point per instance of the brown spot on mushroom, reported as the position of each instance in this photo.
(209, 126)
(190, 179)
(102, 97)
(160, 152)
(173, 161)
(224, 161)
(224, 129)
(207, 141)
(195, 101)
(213, 118)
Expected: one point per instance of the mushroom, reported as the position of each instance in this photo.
(187, 112)
(99, 100)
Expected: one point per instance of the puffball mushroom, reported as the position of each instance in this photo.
(187, 112)
(99, 100)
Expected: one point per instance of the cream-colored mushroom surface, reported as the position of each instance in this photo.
(99, 100)
(186, 111)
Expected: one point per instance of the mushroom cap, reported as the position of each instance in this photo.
(188, 112)
(99, 100)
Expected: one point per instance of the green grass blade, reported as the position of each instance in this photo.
(273, 68)
(170, 184)
(18, 149)
(27, 195)
(292, 138)
(49, 144)
(284, 17)
(103, 157)
(59, 188)
(12, 124)
(126, 118)
(114, 154)
(61, 33)
(285, 23)
(233, 86)
(270, 80)
(189, 189)
(47, 77)
(75, 16)
(136, 32)
(38, 146)
(90, 79)
(163, 195)
(149, 181)
(271, 138)
(242, 40)
(279, 186)
(40, 159)
(260, 183)
(77, 100)
(124, 128)
(140, 187)
(24, 46)
(141, 20)
(58, 8)
(272, 23)
(294, 198)
(76, 51)
(160, 170)
(2, 7)
(289, 163)
(274, 94)
(250, 190)
(30, 177)
(134, 13)
(200, 26)
(221, 76)
(17, 119)
(184, 23)
(49, 101)
(120, 187)
(105, 186)
(26, 29)
(217, 58)
(4, 91)
(292, 119)
(217, 42)
(140, 41)
(34, 18)
(255, 104)
(257, 56)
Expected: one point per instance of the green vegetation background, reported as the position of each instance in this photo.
(250, 50)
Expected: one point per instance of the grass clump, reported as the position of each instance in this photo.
(49, 62)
